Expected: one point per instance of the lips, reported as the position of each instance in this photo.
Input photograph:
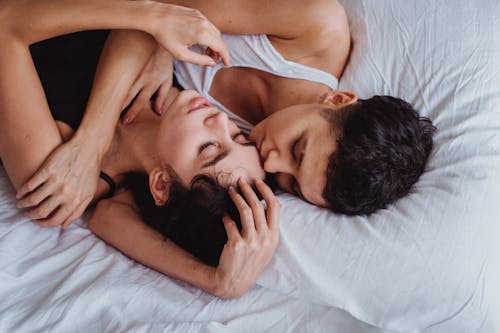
(198, 103)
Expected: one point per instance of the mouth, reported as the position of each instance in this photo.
(197, 104)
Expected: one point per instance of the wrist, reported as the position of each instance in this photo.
(154, 19)
(94, 139)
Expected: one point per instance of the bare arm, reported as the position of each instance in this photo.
(244, 257)
(281, 18)
(312, 28)
(75, 165)
(118, 223)
(314, 33)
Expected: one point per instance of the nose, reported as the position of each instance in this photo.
(218, 119)
(275, 163)
(218, 124)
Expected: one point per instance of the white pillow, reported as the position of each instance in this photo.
(426, 261)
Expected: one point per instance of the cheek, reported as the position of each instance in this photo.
(173, 147)
(279, 135)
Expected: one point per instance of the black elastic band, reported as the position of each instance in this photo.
(111, 183)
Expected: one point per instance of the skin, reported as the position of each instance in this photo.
(194, 134)
(280, 106)
(321, 40)
(295, 144)
(68, 173)
(322, 24)
(29, 135)
(247, 252)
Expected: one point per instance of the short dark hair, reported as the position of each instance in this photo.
(382, 149)
(192, 217)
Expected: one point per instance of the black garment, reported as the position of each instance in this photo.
(66, 66)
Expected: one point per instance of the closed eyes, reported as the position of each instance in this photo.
(297, 151)
(240, 138)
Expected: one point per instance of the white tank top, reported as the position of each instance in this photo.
(252, 51)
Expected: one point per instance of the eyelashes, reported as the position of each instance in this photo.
(244, 136)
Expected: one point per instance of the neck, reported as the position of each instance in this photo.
(287, 92)
(134, 145)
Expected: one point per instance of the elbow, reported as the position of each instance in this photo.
(9, 22)
(8, 13)
(96, 222)
(4, 17)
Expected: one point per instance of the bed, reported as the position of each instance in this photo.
(428, 263)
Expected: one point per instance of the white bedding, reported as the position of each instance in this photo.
(428, 263)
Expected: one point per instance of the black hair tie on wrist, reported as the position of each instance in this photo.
(111, 183)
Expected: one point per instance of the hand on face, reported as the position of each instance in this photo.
(156, 77)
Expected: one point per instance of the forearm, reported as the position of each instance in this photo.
(36, 20)
(122, 59)
(28, 133)
(119, 226)
(280, 18)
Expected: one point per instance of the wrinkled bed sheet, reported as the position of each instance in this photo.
(427, 263)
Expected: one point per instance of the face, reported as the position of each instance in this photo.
(295, 144)
(197, 138)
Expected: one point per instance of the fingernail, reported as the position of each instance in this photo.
(125, 120)
(211, 63)
(231, 188)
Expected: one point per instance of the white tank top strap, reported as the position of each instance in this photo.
(252, 51)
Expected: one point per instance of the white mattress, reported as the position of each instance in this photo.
(427, 263)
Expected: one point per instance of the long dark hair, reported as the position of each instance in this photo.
(192, 217)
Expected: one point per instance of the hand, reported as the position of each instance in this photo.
(156, 76)
(246, 254)
(63, 187)
(177, 28)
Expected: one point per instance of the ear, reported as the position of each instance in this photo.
(339, 99)
(159, 185)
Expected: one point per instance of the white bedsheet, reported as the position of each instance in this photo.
(428, 263)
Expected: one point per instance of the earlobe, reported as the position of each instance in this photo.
(339, 99)
(159, 185)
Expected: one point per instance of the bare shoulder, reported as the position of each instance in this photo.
(325, 39)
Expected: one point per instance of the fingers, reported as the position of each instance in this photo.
(195, 58)
(218, 49)
(246, 215)
(34, 198)
(161, 97)
(38, 179)
(133, 92)
(253, 201)
(139, 103)
(272, 203)
(45, 209)
(231, 229)
(76, 214)
(60, 215)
